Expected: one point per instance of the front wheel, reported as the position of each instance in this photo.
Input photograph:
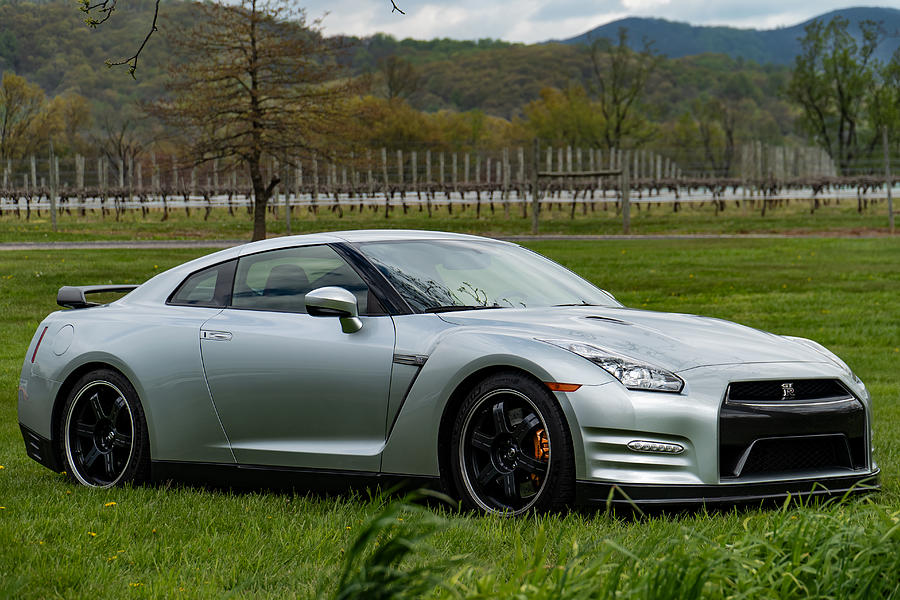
(103, 432)
(511, 450)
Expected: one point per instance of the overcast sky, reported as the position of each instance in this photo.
(539, 20)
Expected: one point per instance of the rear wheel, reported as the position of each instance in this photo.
(103, 432)
(511, 450)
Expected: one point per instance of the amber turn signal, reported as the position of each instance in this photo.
(562, 387)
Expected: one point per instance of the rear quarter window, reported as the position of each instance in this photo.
(210, 287)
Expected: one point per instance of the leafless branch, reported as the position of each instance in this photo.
(105, 8)
(133, 60)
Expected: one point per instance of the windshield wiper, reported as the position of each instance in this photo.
(452, 307)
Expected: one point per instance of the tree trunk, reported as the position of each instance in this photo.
(261, 196)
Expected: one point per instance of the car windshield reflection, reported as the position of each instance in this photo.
(444, 275)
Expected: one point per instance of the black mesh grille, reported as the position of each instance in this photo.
(797, 454)
(775, 391)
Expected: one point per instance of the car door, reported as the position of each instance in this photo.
(292, 389)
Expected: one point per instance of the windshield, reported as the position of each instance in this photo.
(434, 275)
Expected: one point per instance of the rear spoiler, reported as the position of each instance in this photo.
(73, 296)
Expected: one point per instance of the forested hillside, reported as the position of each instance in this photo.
(778, 46)
(48, 44)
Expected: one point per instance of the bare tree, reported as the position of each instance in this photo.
(258, 82)
(119, 143)
(401, 78)
(620, 77)
(716, 121)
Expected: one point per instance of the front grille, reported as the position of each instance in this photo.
(787, 455)
(785, 390)
(811, 425)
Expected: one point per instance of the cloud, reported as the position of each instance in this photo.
(539, 20)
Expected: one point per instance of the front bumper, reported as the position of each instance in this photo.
(596, 495)
(717, 446)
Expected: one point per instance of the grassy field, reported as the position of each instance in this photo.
(58, 540)
(793, 218)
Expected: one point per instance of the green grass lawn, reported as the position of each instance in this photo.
(59, 540)
(791, 217)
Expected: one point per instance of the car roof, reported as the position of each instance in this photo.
(355, 236)
(163, 284)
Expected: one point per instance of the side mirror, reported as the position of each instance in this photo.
(335, 302)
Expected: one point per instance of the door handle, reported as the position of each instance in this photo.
(219, 336)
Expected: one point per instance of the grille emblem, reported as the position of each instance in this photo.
(787, 391)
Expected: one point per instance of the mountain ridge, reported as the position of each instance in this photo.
(779, 46)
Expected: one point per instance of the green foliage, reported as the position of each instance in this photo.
(29, 123)
(395, 124)
(567, 118)
(838, 84)
(373, 565)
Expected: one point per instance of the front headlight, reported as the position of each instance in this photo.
(634, 374)
(825, 352)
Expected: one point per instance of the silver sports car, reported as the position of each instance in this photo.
(331, 360)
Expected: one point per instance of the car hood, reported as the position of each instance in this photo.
(670, 340)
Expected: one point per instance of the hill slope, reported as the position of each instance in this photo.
(778, 46)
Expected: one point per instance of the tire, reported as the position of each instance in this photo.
(103, 432)
(511, 450)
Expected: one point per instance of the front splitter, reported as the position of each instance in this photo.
(596, 495)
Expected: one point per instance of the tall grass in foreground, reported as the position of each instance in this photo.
(842, 549)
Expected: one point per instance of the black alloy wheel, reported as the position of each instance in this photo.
(510, 447)
(103, 432)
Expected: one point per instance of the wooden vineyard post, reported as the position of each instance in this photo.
(101, 187)
(130, 178)
(401, 179)
(287, 197)
(384, 181)
(535, 187)
(298, 180)
(428, 181)
(520, 181)
(414, 176)
(369, 181)
(79, 183)
(53, 189)
(454, 176)
(314, 199)
(887, 178)
(626, 197)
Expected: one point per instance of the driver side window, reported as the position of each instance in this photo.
(279, 280)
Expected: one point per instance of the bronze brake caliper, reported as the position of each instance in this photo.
(541, 451)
